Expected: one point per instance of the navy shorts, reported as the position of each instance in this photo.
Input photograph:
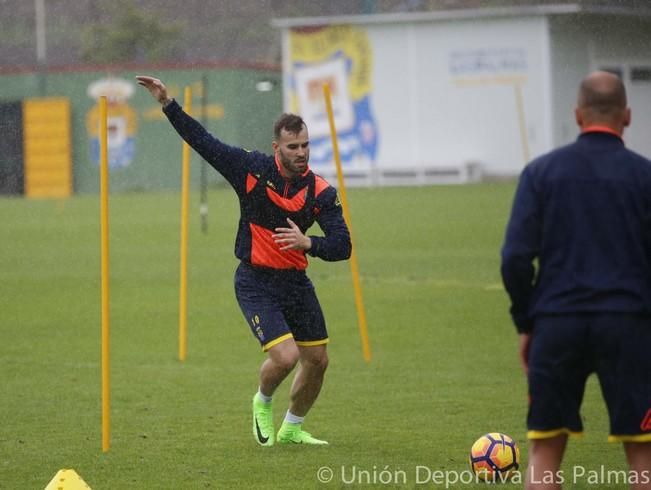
(280, 304)
(566, 349)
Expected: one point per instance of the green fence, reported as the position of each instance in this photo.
(145, 151)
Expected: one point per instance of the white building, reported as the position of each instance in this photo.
(447, 96)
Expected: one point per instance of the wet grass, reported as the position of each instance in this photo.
(444, 368)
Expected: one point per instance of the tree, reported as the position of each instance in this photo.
(132, 35)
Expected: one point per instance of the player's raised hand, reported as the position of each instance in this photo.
(291, 238)
(156, 88)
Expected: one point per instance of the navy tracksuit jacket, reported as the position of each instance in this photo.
(267, 199)
(584, 212)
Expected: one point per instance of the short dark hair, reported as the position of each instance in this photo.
(604, 96)
(289, 122)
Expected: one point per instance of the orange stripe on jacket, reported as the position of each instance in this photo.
(266, 253)
(320, 184)
(293, 204)
(250, 182)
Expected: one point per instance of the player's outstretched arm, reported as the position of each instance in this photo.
(156, 88)
(227, 160)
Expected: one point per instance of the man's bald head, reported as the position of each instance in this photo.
(602, 101)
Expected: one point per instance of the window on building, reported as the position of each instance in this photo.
(641, 74)
(614, 70)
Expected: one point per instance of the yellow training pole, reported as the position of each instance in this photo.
(104, 237)
(361, 314)
(185, 193)
(517, 86)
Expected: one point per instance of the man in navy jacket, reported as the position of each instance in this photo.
(583, 212)
(280, 198)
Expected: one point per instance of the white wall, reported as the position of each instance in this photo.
(570, 63)
(625, 44)
(442, 92)
(433, 113)
(580, 44)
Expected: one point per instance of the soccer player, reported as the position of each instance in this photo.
(583, 212)
(280, 198)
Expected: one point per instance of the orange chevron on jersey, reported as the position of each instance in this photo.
(250, 182)
(320, 185)
(265, 251)
(288, 204)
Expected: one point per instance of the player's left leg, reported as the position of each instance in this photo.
(305, 319)
(638, 455)
(545, 457)
(312, 365)
(281, 360)
(558, 370)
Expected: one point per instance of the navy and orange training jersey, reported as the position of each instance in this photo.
(584, 212)
(267, 199)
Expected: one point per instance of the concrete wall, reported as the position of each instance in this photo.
(440, 94)
(417, 98)
(570, 62)
(144, 149)
(580, 44)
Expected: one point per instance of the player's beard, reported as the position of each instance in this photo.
(294, 167)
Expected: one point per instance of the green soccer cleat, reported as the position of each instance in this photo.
(292, 434)
(263, 422)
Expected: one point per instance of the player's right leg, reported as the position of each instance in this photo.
(621, 345)
(256, 293)
(282, 359)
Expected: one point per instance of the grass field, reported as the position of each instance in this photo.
(444, 368)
